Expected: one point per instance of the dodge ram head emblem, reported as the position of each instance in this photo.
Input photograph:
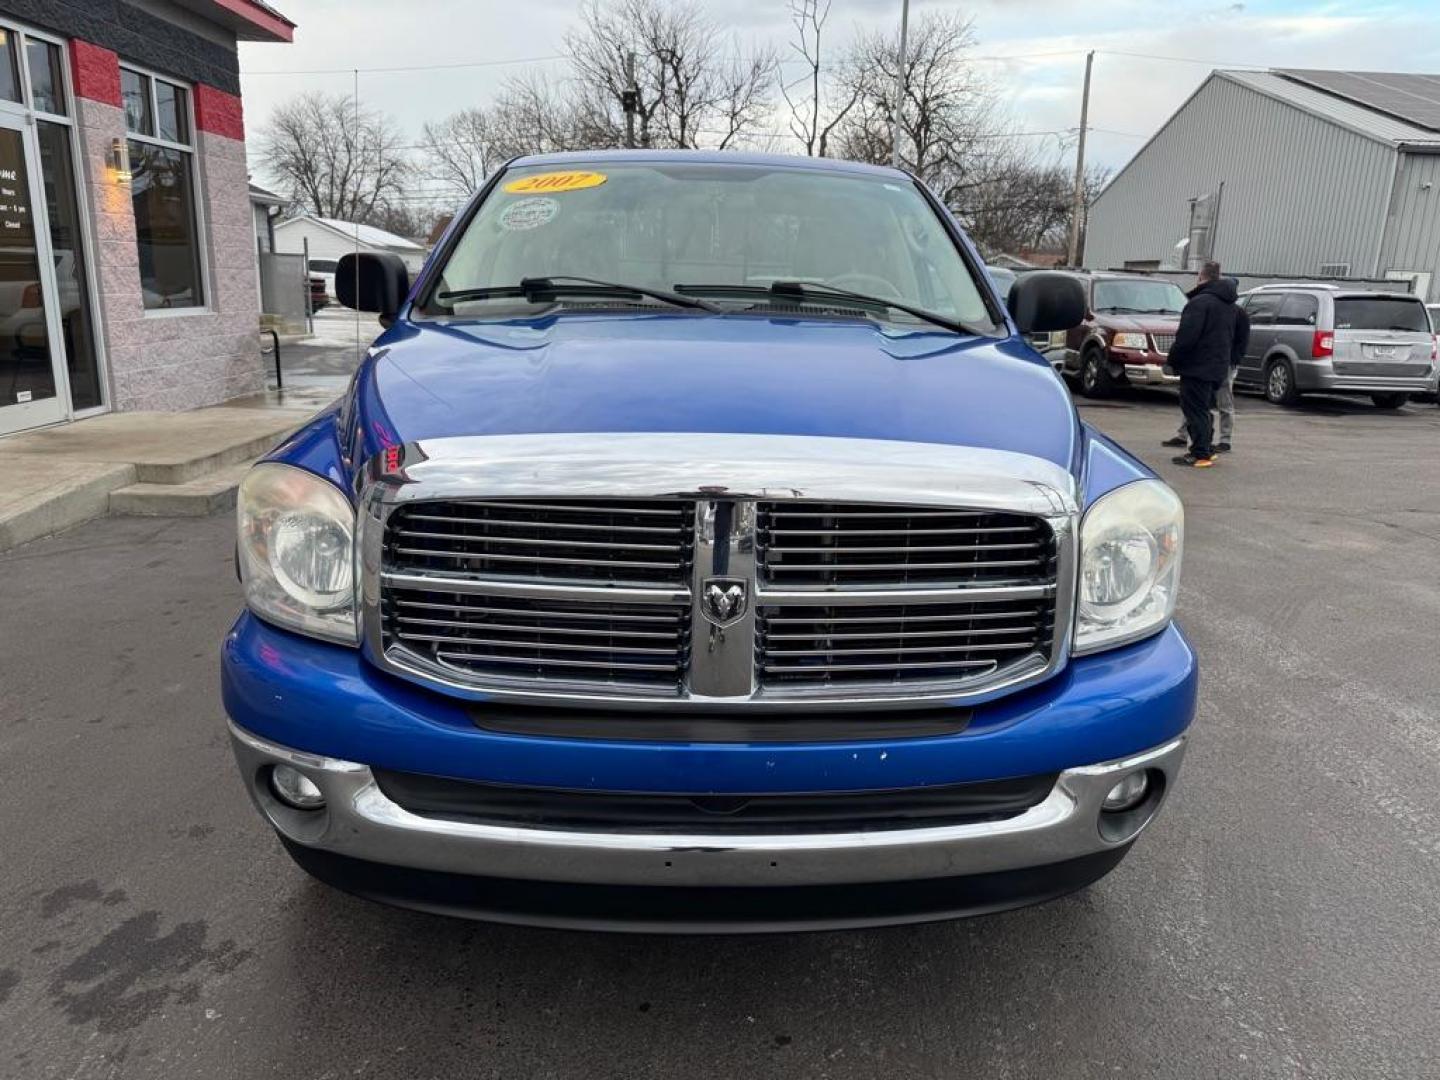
(724, 599)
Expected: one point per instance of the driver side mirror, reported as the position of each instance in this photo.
(1043, 301)
(372, 281)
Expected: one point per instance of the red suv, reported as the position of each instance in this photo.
(1130, 324)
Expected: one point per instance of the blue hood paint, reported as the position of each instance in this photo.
(623, 372)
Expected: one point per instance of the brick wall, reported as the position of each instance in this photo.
(175, 360)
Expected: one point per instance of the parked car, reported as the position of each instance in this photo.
(318, 296)
(1324, 338)
(1129, 326)
(701, 548)
(324, 269)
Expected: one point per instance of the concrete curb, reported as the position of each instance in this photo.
(71, 501)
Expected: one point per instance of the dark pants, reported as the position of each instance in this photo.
(1197, 398)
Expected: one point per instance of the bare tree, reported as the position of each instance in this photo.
(948, 112)
(1025, 202)
(459, 151)
(333, 159)
(810, 121)
(690, 87)
(532, 115)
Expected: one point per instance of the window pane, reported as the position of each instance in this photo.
(1299, 308)
(57, 169)
(9, 70)
(172, 119)
(26, 371)
(1380, 313)
(135, 89)
(163, 193)
(46, 85)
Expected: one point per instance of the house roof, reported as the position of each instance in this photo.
(266, 197)
(1411, 98)
(1303, 90)
(366, 235)
(249, 20)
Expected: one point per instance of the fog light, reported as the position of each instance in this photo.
(294, 788)
(1128, 793)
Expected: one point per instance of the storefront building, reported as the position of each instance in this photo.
(127, 241)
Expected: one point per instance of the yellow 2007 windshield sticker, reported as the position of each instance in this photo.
(551, 182)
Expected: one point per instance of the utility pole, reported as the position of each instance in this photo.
(630, 100)
(1077, 209)
(900, 84)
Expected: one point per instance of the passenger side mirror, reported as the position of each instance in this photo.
(372, 281)
(1043, 301)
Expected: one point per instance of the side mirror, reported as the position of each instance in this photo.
(1043, 301)
(372, 281)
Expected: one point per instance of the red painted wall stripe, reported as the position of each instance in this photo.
(96, 72)
(218, 113)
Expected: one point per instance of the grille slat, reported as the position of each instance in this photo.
(469, 660)
(549, 526)
(615, 542)
(484, 636)
(844, 545)
(1163, 342)
(534, 541)
(896, 644)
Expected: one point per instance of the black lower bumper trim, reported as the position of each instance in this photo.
(719, 909)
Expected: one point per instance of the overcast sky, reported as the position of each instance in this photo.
(1130, 96)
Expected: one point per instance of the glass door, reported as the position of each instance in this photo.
(31, 381)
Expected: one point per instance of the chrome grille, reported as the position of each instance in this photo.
(1163, 342)
(618, 542)
(477, 634)
(858, 545)
(494, 570)
(899, 644)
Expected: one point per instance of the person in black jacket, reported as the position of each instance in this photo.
(1225, 392)
(1204, 345)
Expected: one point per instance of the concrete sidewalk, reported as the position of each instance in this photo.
(141, 462)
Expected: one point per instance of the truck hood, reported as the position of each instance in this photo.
(1145, 324)
(623, 372)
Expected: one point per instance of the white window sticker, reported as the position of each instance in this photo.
(528, 214)
(23, 396)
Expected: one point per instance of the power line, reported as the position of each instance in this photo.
(839, 62)
(1183, 59)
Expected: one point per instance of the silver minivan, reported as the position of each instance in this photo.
(1309, 338)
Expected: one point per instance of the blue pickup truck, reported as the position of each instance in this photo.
(702, 548)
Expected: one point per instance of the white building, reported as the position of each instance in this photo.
(330, 239)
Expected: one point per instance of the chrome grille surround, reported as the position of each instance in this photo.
(1163, 342)
(726, 481)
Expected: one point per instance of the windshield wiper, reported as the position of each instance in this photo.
(572, 284)
(818, 290)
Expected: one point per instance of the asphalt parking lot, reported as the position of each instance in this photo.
(1280, 920)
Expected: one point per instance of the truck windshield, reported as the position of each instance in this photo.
(725, 232)
(1380, 313)
(1139, 297)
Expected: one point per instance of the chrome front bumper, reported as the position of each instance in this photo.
(1149, 375)
(360, 822)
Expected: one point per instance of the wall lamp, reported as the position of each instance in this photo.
(118, 161)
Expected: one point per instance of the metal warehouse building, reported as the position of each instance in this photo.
(1285, 172)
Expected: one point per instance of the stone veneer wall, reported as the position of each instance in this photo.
(175, 360)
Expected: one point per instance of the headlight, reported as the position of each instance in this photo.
(297, 551)
(1129, 341)
(1130, 543)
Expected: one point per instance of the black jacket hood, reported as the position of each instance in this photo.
(1222, 288)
